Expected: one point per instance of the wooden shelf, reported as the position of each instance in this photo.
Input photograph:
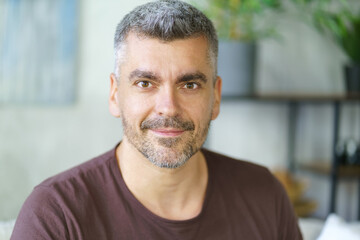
(325, 169)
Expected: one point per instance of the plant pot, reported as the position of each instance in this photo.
(236, 66)
(352, 78)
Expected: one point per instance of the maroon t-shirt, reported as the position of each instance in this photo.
(92, 201)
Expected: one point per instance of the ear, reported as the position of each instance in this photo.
(114, 105)
(217, 96)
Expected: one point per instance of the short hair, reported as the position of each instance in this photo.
(166, 20)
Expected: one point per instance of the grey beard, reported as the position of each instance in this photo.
(169, 158)
(169, 155)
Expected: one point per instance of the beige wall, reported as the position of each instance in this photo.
(39, 141)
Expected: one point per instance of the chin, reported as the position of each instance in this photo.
(165, 157)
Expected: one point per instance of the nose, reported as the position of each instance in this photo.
(167, 102)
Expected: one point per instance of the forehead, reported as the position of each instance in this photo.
(139, 38)
(150, 52)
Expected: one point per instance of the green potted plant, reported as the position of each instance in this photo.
(340, 21)
(240, 24)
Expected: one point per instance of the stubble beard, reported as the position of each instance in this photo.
(167, 152)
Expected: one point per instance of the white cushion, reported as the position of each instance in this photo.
(311, 228)
(6, 229)
(336, 228)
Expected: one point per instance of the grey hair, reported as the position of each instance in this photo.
(166, 20)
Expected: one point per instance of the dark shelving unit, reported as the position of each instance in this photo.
(334, 170)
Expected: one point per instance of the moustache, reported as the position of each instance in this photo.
(172, 122)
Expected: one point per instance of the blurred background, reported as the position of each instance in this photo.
(56, 58)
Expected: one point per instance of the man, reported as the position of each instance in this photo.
(158, 183)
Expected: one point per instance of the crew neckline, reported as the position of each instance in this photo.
(142, 210)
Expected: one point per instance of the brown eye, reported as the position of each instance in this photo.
(191, 85)
(144, 84)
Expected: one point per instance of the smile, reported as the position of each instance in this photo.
(167, 132)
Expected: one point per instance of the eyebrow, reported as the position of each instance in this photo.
(137, 73)
(187, 77)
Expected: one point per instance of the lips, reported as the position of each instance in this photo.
(167, 132)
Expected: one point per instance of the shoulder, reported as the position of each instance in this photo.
(240, 168)
(52, 206)
(243, 177)
(74, 181)
(247, 184)
(96, 166)
(71, 188)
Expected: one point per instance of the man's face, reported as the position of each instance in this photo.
(166, 97)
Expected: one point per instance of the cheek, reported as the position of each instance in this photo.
(134, 108)
(200, 112)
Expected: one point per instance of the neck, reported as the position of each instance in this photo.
(175, 194)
